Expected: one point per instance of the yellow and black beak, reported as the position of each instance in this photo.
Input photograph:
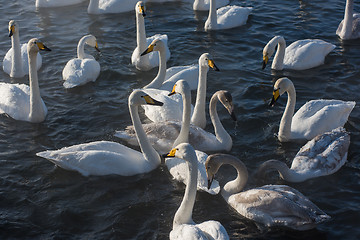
(275, 97)
(42, 47)
(150, 101)
(212, 65)
(142, 11)
(265, 61)
(148, 50)
(11, 31)
(173, 91)
(97, 47)
(171, 153)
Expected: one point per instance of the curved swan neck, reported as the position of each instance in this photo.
(37, 112)
(285, 172)
(185, 125)
(184, 214)
(284, 134)
(81, 48)
(93, 7)
(348, 19)
(16, 62)
(278, 62)
(199, 116)
(160, 77)
(221, 134)
(148, 151)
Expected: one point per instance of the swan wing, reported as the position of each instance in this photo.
(204, 5)
(232, 16)
(56, 3)
(99, 158)
(355, 27)
(203, 140)
(117, 6)
(307, 53)
(187, 231)
(80, 71)
(7, 61)
(180, 171)
(189, 73)
(319, 116)
(323, 155)
(213, 229)
(15, 100)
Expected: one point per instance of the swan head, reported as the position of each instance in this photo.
(207, 61)
(280, 87)
(35, 45)
(140, 8)
(269, 49)
(138, 97)
(91, 41)
(156, 45)
(226, 100)
(212, 165)
(183, 150)
(13, 27)
(182, 87)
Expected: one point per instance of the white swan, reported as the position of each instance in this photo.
(204, 5)
(111, 6)
(183, 225)
(349, 27)
(270, 205)
(313, 118)
(20, 101)
(323, 155)
(162, 135)
(84, 68)
(226, 17)
(151, 60)
(56, 3)
(15, 62)
(105, 157)
(300, 55)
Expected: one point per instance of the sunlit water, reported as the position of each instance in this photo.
(40, 201)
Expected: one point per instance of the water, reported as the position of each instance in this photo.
(41, 201)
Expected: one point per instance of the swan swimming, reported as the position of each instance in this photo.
(83, 69)
(300, 55)
(22, 102)
(226, 17)
(270, 205)
(111, 6)
(105, 157)
(56, 3)
(15, 62)
(349, 27)
(204, 5)
(151, 60)
(323, 155)
(313, 118)
(183, 225)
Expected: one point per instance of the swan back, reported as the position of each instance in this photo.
(349, 27)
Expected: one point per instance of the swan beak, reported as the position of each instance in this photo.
(275, 97)
(148, 50)
(233, 116)
(265, 61)
(41, 46)
(11, 31)
(173, 91)
(150, 101)
(97, 47)
(171, 153)
(142, 10)
(210, 180)
(212, 65)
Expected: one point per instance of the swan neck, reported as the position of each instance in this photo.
(16, 61)
(184, 214)
(37, 112)
(212, 13)
(93, 7)
(185, 125)
(148, 151)
(160, 77)
(238, 184)
(348, 18)
(284, 134)
(278, 62)
(199, 115)
(140, 33)
(81, 48)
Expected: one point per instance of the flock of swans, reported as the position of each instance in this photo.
(176, 134)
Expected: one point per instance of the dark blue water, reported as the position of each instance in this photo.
(41, 201)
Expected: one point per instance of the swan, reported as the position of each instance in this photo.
(204, 5)
(226, 17)
(313, 118)
(349, 27)
(151, 60)
(84, 68)
(15, 62)
(163, 135)
(183, 225)
(105, 157)
(270, 205)
(111, 6)
(300, 55)
(56, 3)
(323, 155)
(20, 101)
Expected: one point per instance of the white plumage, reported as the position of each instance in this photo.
(349, 27)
